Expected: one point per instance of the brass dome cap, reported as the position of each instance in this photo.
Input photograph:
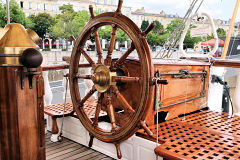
(14, 39)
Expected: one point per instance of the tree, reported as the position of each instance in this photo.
(155, 39)
(189, 41)
(42, 23)
(121, 36)
(159, 29)
(105, 33)
(80, 19)
(68, 22)
(16, 14)
(221, 32)
(173, 25)
(144, 25)
(2, 15)
(67, 13)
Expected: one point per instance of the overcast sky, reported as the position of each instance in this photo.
(221, 9)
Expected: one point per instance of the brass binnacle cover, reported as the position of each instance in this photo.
(14, 39)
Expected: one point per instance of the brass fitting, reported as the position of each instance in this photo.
(14, 39)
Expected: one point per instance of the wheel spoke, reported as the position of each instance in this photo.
(125, 79)
(88, 95)
(108, 60)
(98, 45)
(89, 59)
(123, 101)
(98, 109)
(111, 112)
(83, 76)
(125, 55)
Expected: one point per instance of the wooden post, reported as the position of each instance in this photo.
(226, 44)
(21, 116)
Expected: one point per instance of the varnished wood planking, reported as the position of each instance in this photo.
(61, 149)
(69, 154)
(20, 118)
(70, 150)
(9, 117)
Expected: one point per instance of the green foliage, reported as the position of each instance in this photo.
(209, 37)
(105, 33)
(173, 25)
(159, 29)
(156, 39)
(189, 41)
(121, 36)
(16, 14)
(144, 25)
(221, 32)
(67, 13)
(69, 22)
(2, 15)
(42, 23)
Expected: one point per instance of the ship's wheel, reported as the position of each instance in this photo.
(123, 86)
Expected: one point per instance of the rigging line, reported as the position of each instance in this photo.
(199, 6)
(177, 40)
(64, 108)
(174, 44)
(185, 104)
(156, 108)
(173, 38)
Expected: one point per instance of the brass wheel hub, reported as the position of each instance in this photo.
(102, 78)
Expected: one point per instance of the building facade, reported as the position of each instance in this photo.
(139, 15)
(51, 7)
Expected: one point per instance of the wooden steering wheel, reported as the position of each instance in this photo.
(124, 86)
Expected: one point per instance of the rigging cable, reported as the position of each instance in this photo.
(64, 108)
(172, 41)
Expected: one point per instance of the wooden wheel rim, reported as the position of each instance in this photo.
(143, 51)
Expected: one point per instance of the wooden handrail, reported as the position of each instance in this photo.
(226, 63)
(62, 66)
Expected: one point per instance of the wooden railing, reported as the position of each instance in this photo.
(65, 68)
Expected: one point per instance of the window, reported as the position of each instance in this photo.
(21, 4)
(99, 11)
(45, 6)
(30, 5)
(98, 1)
(111, 2)
(38, 6)
(105, 1)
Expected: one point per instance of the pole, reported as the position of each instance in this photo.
(8, 11)
(226, 44)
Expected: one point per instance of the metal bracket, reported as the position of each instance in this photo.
(29, 72)
(182, 74)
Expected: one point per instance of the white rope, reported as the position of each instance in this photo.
(64, 108)
(185, 104)
(156, 108)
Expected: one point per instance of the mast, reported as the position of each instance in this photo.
(226, 44)
(7, 11)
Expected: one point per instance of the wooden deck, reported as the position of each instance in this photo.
(70, 150)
